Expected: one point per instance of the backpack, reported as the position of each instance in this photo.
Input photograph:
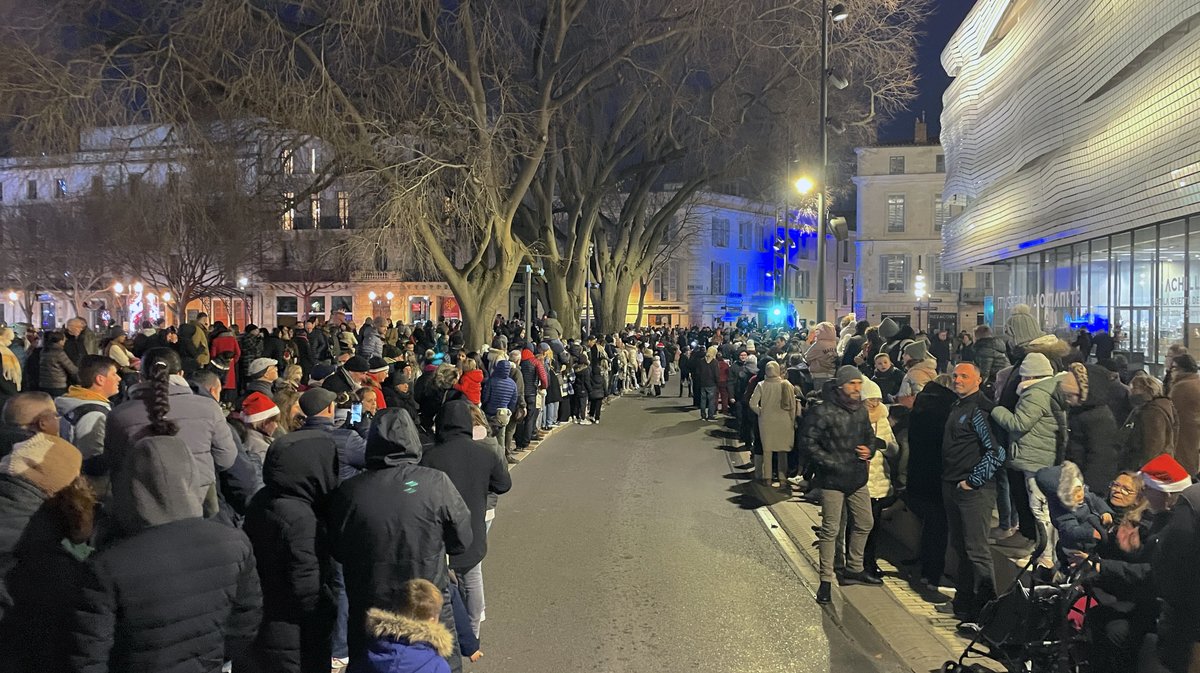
(68, 421)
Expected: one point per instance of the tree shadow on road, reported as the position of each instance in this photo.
(728, 447)
(668, 410)
(679, 429)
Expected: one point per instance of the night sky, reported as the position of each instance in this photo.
(946, 18)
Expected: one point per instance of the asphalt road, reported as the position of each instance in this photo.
(625, 547)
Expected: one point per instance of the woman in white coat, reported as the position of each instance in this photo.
(879, 480)
(774, 400)
(656, 377)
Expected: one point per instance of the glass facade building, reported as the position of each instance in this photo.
(1144, 284)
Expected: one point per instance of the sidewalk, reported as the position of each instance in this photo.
(900, 616)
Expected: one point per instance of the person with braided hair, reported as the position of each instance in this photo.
(164, 404)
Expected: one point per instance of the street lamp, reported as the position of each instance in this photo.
(371, 295)
(137, 288)
(919, 286)
(12, 296)
(390, 295)
(119, 287)
(838, 14)
(804, 185)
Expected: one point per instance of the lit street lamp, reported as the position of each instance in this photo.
(919, 286)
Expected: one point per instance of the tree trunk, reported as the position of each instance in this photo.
(565, 303)
(614, 303)
(643, 287)
(478, 310)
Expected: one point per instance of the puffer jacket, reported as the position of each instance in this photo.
(395, 522)
(351, 447)
(177, 593)
(201, 424)
(286, 526)
(1077, 525)
(1034, 426)
(39, 580)
(1094, 443)
(475, 470)
(1151, 428)
(829, 436)
(55, 369)
(499, 390)
(917, 377)
(403, 645)
(1185, 395)
(990, 356)
(879, 480)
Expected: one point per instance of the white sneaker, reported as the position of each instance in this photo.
(586, 421)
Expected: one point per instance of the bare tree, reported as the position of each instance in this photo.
(308, 266)
(23, 248)
(681, 234)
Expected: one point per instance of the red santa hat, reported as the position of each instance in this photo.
(1164, 473)
(258, 407)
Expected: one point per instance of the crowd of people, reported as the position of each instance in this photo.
(996, 439)
(209, 497)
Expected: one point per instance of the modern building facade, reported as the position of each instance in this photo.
(1072, 138)
(901, 214)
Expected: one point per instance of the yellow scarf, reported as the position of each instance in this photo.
(11, 366)
(81, 393)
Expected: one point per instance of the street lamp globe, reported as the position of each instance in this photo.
(371, 295)
(150, 295)
(243, 282)
(12, 296)
(166, 296)
(137, 288)
(118, 287)
(390, 295)
(804, 185)
(839, 13)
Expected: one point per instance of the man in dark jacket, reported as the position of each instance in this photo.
(284, 523)
(319, 406)
(477, 471)
(193, 343)
(80, 341)
(971, 456)
(169, 571)
(499, 392)
(1173, 566)
(395, 522)
(840, 440)
(318, 343)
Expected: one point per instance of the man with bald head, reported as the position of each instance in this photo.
(26, 414)
(80, 341)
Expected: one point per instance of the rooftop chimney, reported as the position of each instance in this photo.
(921, 131)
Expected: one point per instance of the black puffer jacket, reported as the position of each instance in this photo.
(990, 356)
(177, 594)
(39, 580)
(285, 524)
(476, 471)
(1094, 443)
(394, 522)
(829, 435)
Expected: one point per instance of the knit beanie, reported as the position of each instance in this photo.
(871, 390)
(917, 350)
(888, 328)
(1021, 325)
(1075, 380)
(1035, 365)
(848, 373)
(48, 462)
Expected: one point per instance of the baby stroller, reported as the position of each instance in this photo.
(1028, 629)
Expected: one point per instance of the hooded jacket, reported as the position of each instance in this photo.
(470, 384)
(286, 526)
(475, 470)
(990, 357)
(351, 447)
(499, 390)
(403, 645)
(1077, 525)
(1151, 428)
(1034, 426)
(821, 356)
(202, 427)
(177, 594)
(1094, 443)
(829, 435)
(394, 522)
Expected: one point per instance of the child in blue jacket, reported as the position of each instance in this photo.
(409, 640)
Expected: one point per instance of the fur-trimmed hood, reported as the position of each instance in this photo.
(389, 625)
(1050, 346)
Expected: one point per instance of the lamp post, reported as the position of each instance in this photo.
(243, 283)
(919, 286)
(587, 293)
(837, 14)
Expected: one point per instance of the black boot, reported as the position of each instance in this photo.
(861, 577)
(825, 593)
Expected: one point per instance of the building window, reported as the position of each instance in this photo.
(1, 191)
(896, 165)
(942, 281)
(31, 190)
(802, 284)
(314, 210)
(289, 211)
(983, 280)
(343, 206)
(895, 213)
(893, 273)
(940, 213)
(845, 252)
(745, 235)
(287, 161)
(847, 290)
(60, 188)
(741, 283)
(312, 160)
(940, 163)
(720, 278)
(720, 232)
(342, 303)
(803, 247)
(286, 307)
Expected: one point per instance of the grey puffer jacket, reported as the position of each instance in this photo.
(990, 356)
(56, 371)
(1033, 428)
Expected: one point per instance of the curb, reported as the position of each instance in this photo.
(872, 616)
